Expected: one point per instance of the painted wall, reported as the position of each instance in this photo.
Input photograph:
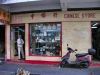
(77, 35)
(76, 29)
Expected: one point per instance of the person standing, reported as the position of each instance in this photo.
(20, 43)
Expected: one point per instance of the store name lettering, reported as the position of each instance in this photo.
(78, 15)
(88, 15)
(73, 15)
(43, 15)
(68, 15)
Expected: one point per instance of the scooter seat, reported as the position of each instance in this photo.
(81, 55)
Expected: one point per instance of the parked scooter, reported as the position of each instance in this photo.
(83, 60)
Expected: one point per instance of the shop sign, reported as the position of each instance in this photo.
(68, 15)
(4, 17)
(56, 16)
(79, 15)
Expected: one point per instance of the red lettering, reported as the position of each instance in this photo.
(32, 16)
(88, 15)
(43, 14)
(55, 15)
(73, 15)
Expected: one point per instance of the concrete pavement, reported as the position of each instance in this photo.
(11, 68)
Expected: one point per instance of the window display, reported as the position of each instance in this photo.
(45, 39)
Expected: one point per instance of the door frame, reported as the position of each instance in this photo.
(15, 25)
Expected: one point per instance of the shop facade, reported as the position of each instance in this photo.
(47, 34)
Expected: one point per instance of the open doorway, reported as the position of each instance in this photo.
(95, 27)
(16, 31)
(2, 41)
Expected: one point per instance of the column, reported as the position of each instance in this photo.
(26, 40)
(7, 41)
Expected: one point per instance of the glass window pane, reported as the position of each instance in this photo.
(45, 39)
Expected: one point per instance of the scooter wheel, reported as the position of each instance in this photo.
(84, 65)
(62, 64)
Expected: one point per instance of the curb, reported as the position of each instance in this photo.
(95, 65)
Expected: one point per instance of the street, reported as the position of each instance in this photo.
(11, 68)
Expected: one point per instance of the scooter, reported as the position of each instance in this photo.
(82, 60)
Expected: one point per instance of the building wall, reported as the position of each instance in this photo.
(77, 35)
(76, 29)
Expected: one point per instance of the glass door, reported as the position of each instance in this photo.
(17, 31)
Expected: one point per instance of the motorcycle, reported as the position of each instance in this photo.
(83, 60)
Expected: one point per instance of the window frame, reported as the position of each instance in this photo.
(60, 39)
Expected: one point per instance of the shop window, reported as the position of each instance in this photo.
(45, 39)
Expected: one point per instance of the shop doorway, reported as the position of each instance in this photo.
(17, 31)
(2, 41)
(95, 27)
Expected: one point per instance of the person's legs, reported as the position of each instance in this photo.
(19, 50)
(22, 52)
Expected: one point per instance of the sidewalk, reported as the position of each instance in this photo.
(95, 64)
(10, 69)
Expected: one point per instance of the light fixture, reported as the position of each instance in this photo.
(94, 27)
(95, 24)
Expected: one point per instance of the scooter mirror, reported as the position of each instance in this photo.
(76, 50)
(67, 44)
